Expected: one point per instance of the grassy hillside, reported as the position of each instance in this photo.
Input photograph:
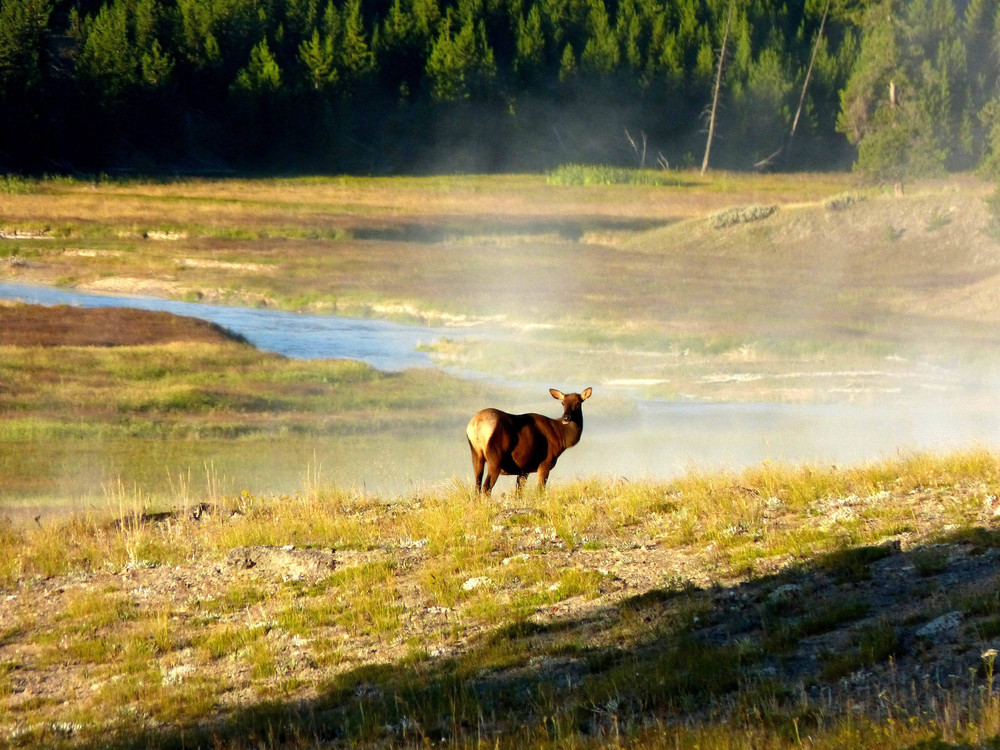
(778, 607)
(642, 290)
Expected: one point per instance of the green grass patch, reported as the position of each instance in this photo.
(15, 185)
(582, 174)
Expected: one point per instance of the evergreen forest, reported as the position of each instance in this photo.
(896, 88)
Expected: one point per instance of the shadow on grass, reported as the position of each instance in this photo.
(566, 229)
(832, 640)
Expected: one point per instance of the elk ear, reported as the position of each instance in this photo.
(557, 394)
(586, 394)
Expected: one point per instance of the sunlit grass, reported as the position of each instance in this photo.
(489, 576)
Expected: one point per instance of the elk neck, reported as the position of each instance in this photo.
(570, 429)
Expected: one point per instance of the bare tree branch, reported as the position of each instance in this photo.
(638, 153)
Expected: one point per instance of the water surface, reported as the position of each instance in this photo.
(382, 344)
(654, 440)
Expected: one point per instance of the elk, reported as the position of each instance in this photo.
(521, 444)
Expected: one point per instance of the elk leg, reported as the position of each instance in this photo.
(478, 465)
(521, 479)
(492, 476)
(543, 476)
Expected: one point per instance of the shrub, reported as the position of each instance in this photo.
(843, 201)
(740, 215)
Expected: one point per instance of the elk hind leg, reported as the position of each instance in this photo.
(491, 479)
(493, 471)
(478, 466)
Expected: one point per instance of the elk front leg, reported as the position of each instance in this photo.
(521, 479)
(492, 475)
(543, 476)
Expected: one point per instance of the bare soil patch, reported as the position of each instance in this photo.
(63, 325)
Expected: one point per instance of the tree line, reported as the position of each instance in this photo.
(898, 87)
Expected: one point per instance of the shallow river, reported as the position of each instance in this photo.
(654, 440)
(384, 345)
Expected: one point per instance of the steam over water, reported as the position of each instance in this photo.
(653, 440)
(668, 438)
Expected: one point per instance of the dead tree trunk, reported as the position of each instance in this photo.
(809, 70)
(718, 86)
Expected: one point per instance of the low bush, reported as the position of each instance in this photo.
(740, 215)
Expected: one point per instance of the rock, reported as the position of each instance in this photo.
(287, 562)
(475, 583)
(177, 674)
(785, 594)
(943, 625)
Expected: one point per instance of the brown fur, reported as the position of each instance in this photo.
(521, 444)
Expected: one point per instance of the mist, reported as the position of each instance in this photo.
(823, 336)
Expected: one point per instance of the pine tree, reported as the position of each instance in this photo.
(108, 61)
(319, 58)
(24, 27)
(357, 62)
(567, 65)
(427, 20)
(403, 43)
(936, 58)
(220, 34)
(601, 54)
(989, 116)
(903, 104)
(529, 57)
(461, 65)
(631, 32)
(763, 107)
(302, 17)
(156, 65)
(565, 22)
(665, 66)
(262, 75)
(397, 33)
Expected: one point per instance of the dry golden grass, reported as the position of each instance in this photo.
(699, 612)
